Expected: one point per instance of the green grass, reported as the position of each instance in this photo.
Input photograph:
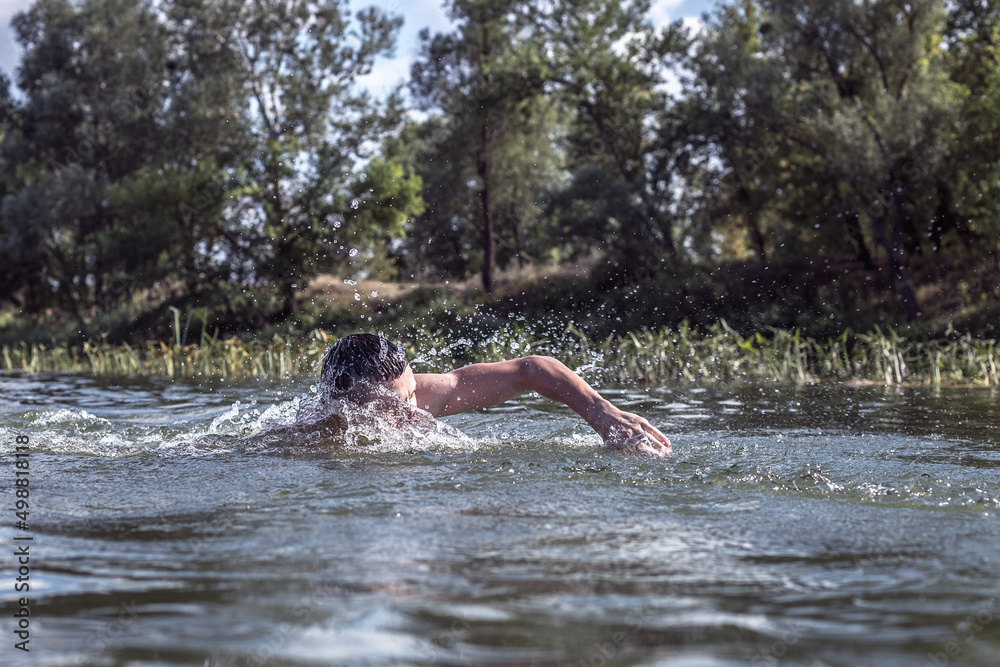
(648, 357)
(724, 355)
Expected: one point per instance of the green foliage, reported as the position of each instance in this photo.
(386, 199)
(442, 241)
(970, 184)
(661, 356)
(199, 154)
(84, 125)
(485, 81)
(848, 111)
(191, 143)
(306, 126)
(608, 67)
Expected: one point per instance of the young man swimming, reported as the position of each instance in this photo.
(364, 367)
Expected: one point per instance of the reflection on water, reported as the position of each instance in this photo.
(176, 523)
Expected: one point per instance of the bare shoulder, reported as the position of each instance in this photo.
(471, 387)
(433, 390)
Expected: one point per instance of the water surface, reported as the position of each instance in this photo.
(813, 525)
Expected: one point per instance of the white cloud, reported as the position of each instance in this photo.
(10, 7)
(10, 52)
(662, 11)
(386, 75)
(417, 15)
(694, 24)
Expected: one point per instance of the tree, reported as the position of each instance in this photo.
(308, 126)
(485, 79)
(90, 77)
(608, 66)
(11, 282)
(967, 196)
(447, 240)
(444, 241)
(733, 100)
(192, 142)
(857, 97)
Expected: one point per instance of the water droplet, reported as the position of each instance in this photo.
(354, 252)
(374, 293)
(357, 297)
(355, 203)
(350, 282)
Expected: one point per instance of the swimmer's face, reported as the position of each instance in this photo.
(406, 386)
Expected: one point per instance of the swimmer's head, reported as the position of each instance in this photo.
(361, 358)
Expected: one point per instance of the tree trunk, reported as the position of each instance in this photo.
(903, 283)
(756, 233)
(854, 231)
(758, 238)
(484, 159)
(484, 167)
(890, 242)
(291, 306)
(66, 289)
(519, 249)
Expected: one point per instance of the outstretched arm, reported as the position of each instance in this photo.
(483, 385)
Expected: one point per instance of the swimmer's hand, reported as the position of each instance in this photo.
(629, 433)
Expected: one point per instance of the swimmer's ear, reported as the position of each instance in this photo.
(343, 382)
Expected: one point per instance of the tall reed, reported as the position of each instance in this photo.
(722, 354)
(719, 355)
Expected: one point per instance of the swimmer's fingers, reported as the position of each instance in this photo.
(642, 443)
(647, 442)
(628, 432)
(650, 439)
(656, 435)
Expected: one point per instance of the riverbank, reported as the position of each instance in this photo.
(647, 357)
(789, 322)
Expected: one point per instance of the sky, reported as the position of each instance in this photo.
(417, 14)
(420, 14)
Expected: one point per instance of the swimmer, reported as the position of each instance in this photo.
(365, 368)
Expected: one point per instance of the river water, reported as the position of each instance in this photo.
(792, 525)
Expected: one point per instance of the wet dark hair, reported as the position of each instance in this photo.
(361, 357)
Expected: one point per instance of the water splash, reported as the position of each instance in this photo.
(307, 421)
(385, 424)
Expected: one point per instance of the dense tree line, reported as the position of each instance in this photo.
(198, 147)
(192, 145)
